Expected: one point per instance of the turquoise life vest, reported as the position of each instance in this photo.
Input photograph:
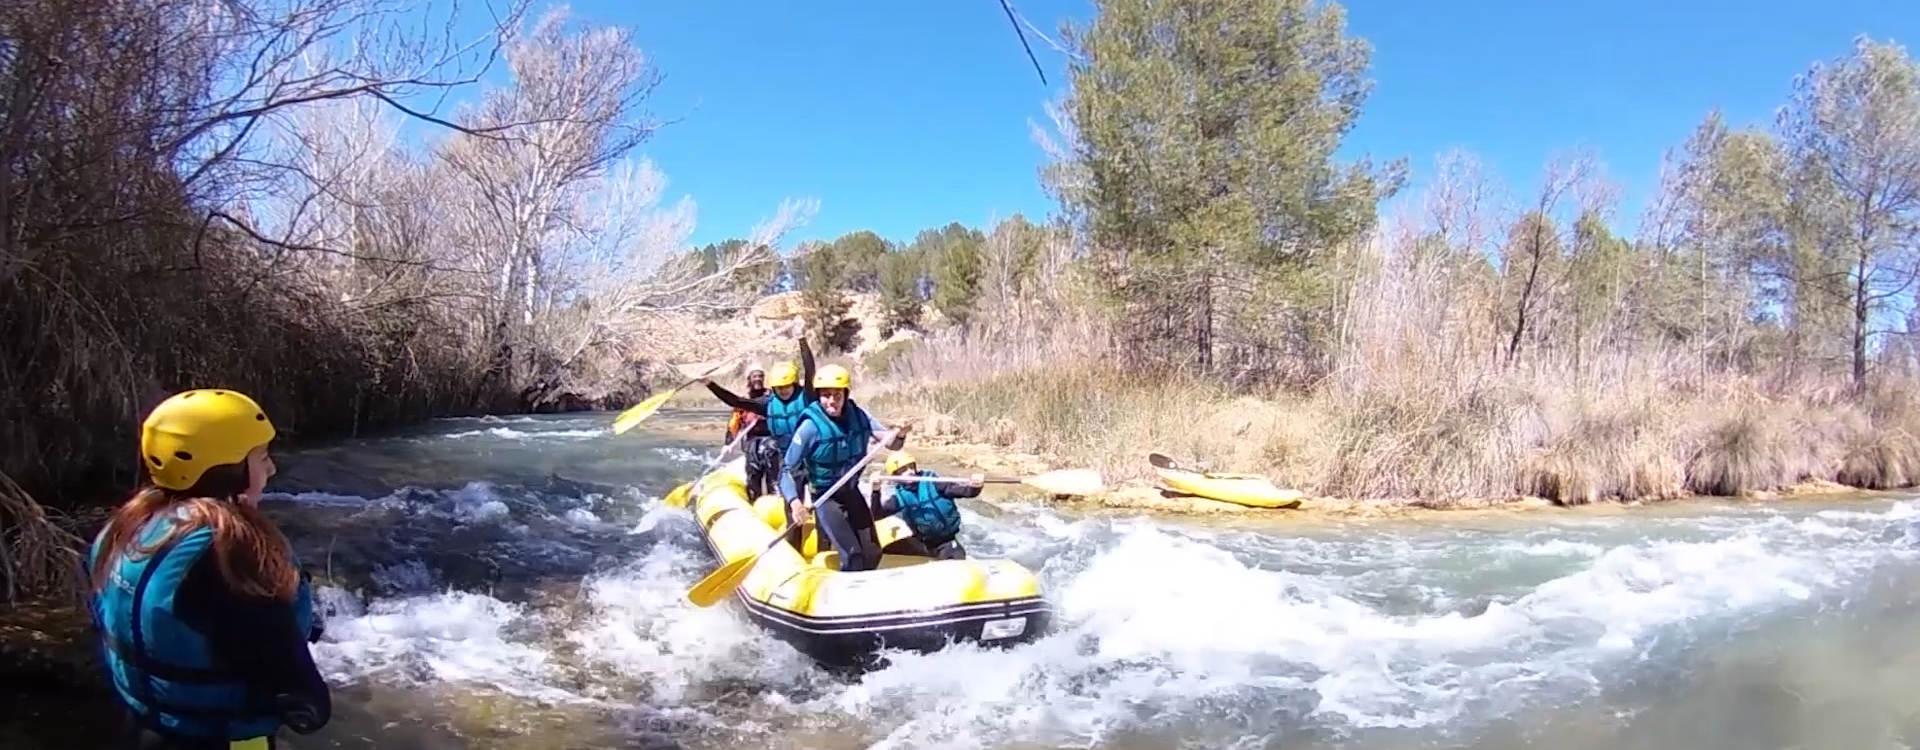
(835, 449)
(784, 415)
(163, 670)
(933, 516)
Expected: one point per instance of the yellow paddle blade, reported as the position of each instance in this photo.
(640, 411)
(1068, 482)
(718, 584)
(677, 498)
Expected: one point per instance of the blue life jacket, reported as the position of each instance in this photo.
(784, 415)
(835, 449)
(163, 670)
(932, 515)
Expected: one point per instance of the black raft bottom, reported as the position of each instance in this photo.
(858, 642)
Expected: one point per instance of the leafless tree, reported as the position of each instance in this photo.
(1535, 243)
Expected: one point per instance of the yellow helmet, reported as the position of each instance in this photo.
(196, 430)
(833, 376)
(783, 373)
(899, 460)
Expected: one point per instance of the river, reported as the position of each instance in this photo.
(511, 583)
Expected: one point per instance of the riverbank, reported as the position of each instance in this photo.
(947, 445)
(45, 643)
(1433, 443)
(951, 456)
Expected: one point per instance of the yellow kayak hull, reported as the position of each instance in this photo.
(845, 618)
(1251, 490)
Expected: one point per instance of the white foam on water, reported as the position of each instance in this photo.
(491, 419)
(324, 499)
(509, 433)
(1153, 622)
(643, 628)
(1554, 548)
(686, 456)
(446, 637)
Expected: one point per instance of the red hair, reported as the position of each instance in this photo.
(252, 554)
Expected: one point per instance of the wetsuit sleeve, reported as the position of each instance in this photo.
(796, 455)
(755, 405)
(806, 369)
(957, 491)
(259, 636)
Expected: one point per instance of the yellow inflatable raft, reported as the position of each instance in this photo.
(1251, 490)
(910, 603)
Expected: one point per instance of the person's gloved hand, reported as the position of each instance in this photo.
(801, 511)
(977, 480)
(318, 631)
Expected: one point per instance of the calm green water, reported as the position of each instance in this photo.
(511, 583)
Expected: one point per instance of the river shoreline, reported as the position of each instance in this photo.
(952, 455)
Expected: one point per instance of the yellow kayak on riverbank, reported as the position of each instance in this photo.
(1251, 490)
(840, 618)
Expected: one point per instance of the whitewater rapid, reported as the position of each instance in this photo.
(1168, 634)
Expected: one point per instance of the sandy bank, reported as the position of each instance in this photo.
(961, 458)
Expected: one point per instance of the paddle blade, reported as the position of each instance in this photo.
(1162, 461)
(640, 411)
(1068, 482)
(718, 584)
(677, 498)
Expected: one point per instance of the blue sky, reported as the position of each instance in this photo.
(908, 114)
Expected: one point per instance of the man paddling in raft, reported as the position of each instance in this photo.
(831, 439)
(927, 507)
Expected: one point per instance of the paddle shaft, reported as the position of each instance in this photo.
(738, 440)
(716, 460)
(897, 479)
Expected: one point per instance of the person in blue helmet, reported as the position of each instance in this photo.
(831, 440)
(927, 507)
(203, 612)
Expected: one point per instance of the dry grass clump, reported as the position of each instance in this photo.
(1435, 441)
(1088, 418)
(1606, 449)
(1424, 441)
(37, 554)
